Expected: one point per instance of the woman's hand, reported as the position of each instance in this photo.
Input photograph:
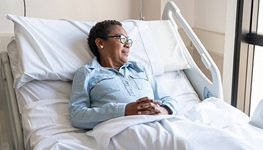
(148, 106)
(145, 106)
(131, 109)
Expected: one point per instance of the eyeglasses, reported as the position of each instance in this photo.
(123, 39)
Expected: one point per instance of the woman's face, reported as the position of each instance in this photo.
(114, 53)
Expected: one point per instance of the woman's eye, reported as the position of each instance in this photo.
(123, 40)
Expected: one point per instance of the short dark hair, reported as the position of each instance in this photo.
(101, 29)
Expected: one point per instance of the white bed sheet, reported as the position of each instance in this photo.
(42, 90)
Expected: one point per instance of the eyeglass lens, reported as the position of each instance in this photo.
(124, 40)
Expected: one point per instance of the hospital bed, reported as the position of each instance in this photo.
(40, 61)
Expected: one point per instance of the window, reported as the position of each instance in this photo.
(247, 72)
(257, 74)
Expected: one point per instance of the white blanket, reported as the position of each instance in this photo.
(211, 125)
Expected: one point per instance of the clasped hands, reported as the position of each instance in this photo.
(145, 106)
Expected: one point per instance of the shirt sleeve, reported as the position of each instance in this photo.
(160, 94)
(82, 114)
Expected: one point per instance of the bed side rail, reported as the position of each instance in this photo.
(12, 116)
(203, 86)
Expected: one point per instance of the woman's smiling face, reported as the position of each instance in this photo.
(113, 51)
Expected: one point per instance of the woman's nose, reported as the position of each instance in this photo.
(127, 45)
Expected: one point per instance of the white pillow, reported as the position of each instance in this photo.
(144, 49)
(257, 116)
(46, 49)
(169, 45)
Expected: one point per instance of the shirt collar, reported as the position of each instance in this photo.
(130, 64)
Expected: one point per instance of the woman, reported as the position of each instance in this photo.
(110, 86)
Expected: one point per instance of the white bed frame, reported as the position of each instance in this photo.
(198, 80)
(203, 86)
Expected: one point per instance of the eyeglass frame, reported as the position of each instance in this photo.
(119, 36)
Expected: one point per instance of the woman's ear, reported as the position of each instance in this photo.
(99, 43)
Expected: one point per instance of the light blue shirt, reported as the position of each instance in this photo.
(100, 93)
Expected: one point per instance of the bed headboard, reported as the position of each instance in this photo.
(8, 97)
